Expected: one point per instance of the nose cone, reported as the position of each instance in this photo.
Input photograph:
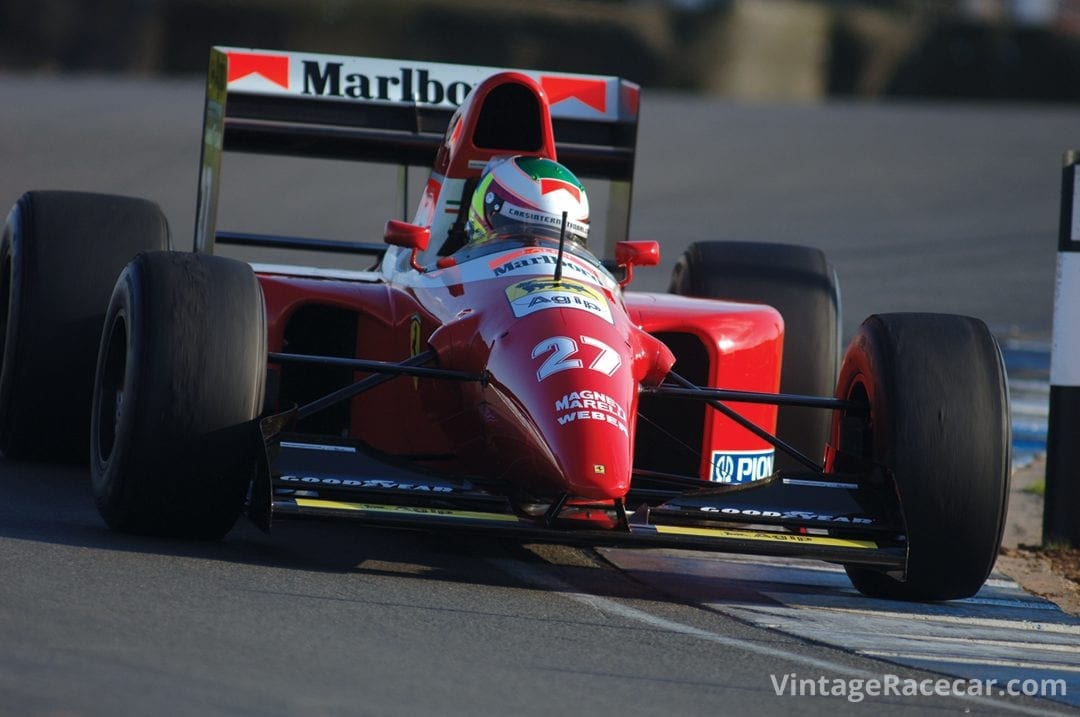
(590, 438)
(572, 388)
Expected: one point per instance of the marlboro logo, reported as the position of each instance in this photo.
(591, 93)
(330, 79)
(393, 81)
(274, 68)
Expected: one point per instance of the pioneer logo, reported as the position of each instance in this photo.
(330, 79)
(741, 466)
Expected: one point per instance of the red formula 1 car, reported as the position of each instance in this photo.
(504, 381)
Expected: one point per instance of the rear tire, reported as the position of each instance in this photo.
(180, 376)
(799, 283)
(937, 397)
(60, 255)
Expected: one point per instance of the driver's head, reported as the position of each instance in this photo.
(528, 195)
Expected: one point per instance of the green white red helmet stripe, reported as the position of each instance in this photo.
(547, 186)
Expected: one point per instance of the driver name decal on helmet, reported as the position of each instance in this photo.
(526, 216)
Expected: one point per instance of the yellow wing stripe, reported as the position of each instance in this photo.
(769, 537)
(722, 533)
(408, 509)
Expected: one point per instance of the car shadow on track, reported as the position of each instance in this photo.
(52, 504)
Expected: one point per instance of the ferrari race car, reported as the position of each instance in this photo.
(508, 383)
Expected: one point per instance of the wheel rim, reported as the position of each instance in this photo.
(111, 395)
(7, 367)
(865, 440)
(5, 300)
(853, 430)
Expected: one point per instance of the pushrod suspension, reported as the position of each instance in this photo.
(383, 370)
(690, 390)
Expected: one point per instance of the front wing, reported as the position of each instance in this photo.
(827, 518)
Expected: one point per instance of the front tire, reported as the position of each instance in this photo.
(935, 396)
(60, 255)
(180, 376)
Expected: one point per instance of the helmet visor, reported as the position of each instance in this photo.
(502, 213)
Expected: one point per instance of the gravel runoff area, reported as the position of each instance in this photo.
(1052, 572)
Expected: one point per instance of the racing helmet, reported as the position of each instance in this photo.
(528, 195)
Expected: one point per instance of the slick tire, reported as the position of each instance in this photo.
(935, 397)
(799, 283)
(60, 254)
(180, 376)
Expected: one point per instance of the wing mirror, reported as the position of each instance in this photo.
(629, 254)
(408, 236)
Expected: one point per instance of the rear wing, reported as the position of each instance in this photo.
(395, 112)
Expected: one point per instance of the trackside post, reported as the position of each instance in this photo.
(1063, 435)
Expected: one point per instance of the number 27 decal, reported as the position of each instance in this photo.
(563, 349)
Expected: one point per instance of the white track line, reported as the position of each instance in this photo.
(536, 576)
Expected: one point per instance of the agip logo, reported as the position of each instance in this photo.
(741, 466)
(532, 295)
